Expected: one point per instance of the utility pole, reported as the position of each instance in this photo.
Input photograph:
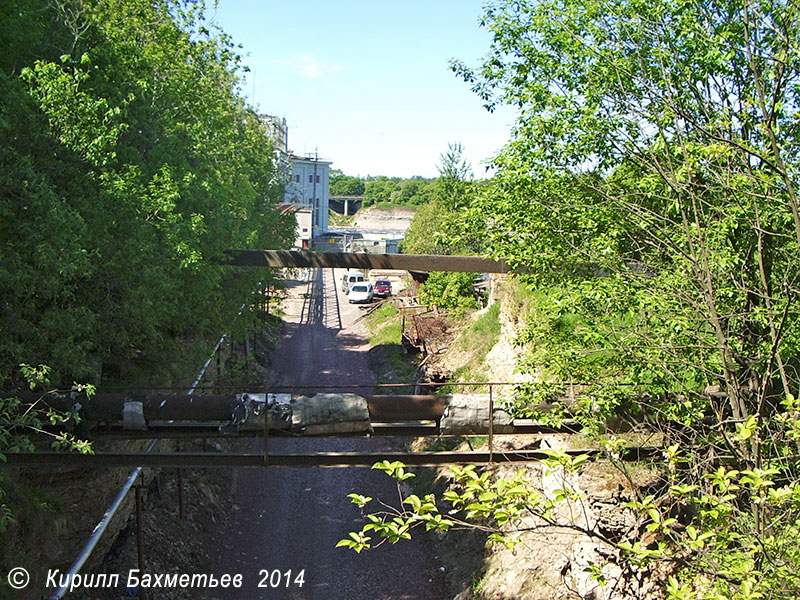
(315, 207)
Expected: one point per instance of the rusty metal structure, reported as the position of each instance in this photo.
(142, 415)
(154, 416)
(351, 260)
(317, 459)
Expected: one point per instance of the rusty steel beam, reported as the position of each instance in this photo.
(195, 432)
(398, 429)
(320, 459)
(349, 260)
(406, 407)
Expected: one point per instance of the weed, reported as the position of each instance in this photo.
(387, 356)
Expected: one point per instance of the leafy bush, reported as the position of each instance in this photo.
(449, 290)
(720, 533)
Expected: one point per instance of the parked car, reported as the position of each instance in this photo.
(360, 292)
(349, 278)
(383, 288)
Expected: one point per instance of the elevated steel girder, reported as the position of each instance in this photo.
(349, 260)
(322, 459)
(399, 429)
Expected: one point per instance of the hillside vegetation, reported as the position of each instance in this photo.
(382, 189)
(129, 165)
(648, 197)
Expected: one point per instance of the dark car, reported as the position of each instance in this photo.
(383, 288)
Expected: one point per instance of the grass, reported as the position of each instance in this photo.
(383, 325)
(520, 299)
(338, 220)
(387, 357)
(483, 334)
(477, 340)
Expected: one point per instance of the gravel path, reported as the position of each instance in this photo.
(289, 520)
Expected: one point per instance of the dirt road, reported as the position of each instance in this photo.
(289, 520)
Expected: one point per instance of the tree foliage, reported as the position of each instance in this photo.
(416, 191)
(441, 226)
(449, 290)
(650, 184)
(649, 196)
(345, 185)
(129, 165)
(700, 533)
(455, 178)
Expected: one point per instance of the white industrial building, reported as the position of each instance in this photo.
(306, 179)
(308, 187)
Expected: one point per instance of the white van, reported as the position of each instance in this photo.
(349, 278)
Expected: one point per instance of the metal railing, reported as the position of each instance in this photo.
(102, 525)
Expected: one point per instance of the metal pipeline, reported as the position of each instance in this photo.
(109, 408)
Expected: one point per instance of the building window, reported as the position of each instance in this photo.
(310, 179)
(317, 178)
(297, 178)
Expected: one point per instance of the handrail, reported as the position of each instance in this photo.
(100, 528)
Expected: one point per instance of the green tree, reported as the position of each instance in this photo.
(129, 166)
(700, 539)
(649, 195)
(345, 185)
(449, 290)
(416, 191)
(455, 176)
(442, 226)
(655, 146)
(380, 189)
(420, 237)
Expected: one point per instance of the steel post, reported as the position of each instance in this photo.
(491, 425)
(180, 485)
(140, 538)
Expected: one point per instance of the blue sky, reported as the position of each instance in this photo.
(367, 84)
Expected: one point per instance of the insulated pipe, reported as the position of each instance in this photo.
(406, 407)
(156, 407)
(219, 407)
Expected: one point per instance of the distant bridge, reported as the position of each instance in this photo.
(345, 205)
